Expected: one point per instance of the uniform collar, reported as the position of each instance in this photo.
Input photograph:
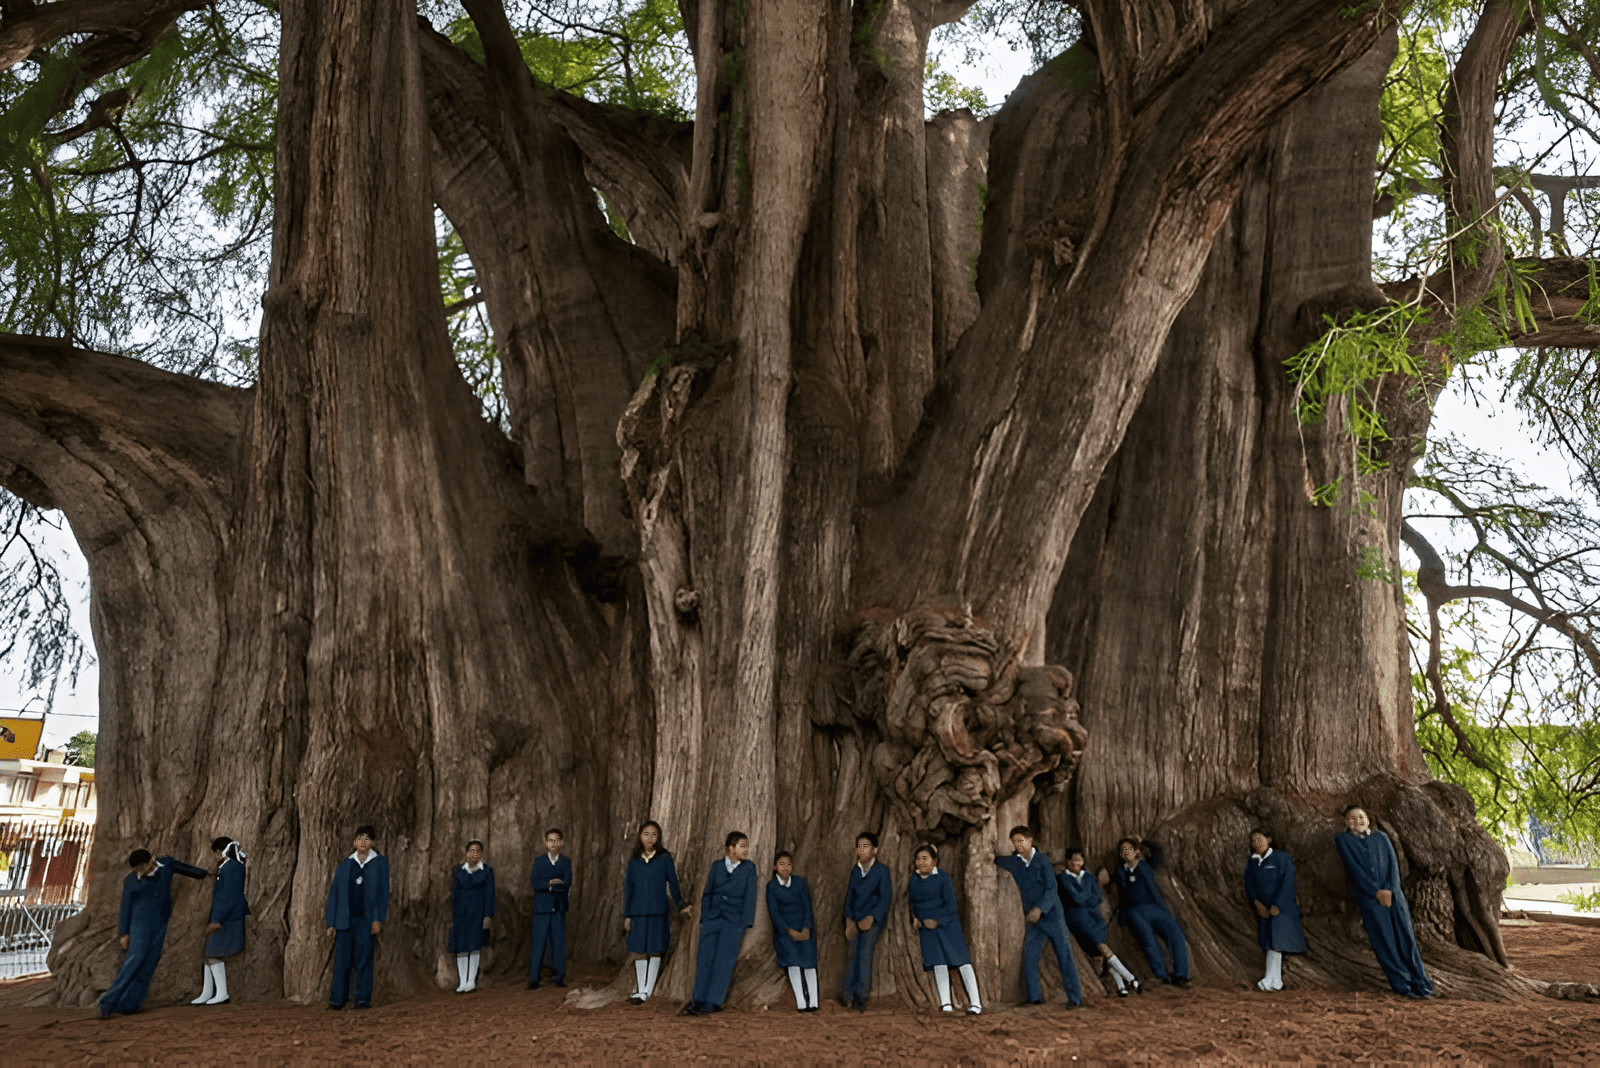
(470, 869)
(867, 866)
(1259, 857)
(363, 863)
(731, 864)
(784, 882)
(935, 871)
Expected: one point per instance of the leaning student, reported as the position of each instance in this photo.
(358, 905)
(551, 880)
(866, 906)
(225, 930)
(142, 927)
(1142, 909)
(1370, 859)
(1041, 907)
(1081, 896)
(932, 898)
(650, 886)
(793, 934)
(1269, 884)
(471, 915)
(727, 908)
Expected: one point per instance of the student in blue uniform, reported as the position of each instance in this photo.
(727, 908)
(358, 905)
(1269, 884)
(142, 927)
(471, 915)
(1041, 907)
(1081, 897)
(793, 930)
(649, 891)
(1370, 859)
(932, 898)
(551, 880)
(866, 906)
(225, 931)
(1142, 909)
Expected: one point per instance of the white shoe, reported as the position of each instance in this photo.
(1264, 987)
(974, 1010)
(207, 988)
(947, 1008)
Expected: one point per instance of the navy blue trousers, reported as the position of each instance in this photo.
(1053, 929)
(1150, 922)
(132, 983)
(549, 930)
(713, 963)
(858, 977)
(1395, 945)
(353, 948)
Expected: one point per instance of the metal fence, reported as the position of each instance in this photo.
(25, 933)
(44, 881)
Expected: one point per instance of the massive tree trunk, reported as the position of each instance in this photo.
(774, 541)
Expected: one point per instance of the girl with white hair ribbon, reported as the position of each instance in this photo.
(225, 932)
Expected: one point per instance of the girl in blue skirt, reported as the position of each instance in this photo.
(225, 931)
(932, 897)
(1269, 884)
(471, 915)
(650, 887)
(1082, 897)
(789, 905)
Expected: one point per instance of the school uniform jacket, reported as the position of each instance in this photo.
(729, 897)
(374, 889)
(933, 897)
(869, 894)
(227, 896)
(1270, 880)
(646, 887)
(790, 909)
(1036, 882)
(1137, 889)
(471, 902)
(147, 902)
(1082, 898)
(547, 898)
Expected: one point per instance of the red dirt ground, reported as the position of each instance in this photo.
(509, 1025)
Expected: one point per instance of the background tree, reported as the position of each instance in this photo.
(795, 486)
(80, 749)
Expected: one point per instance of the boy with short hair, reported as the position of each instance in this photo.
(1041, 907)
(551, 880)
(866, 906)
(142, 927)
(358, 906)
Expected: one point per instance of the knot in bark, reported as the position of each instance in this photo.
(962, 725)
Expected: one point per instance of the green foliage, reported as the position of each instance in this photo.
(80, 749)
(941, 91)
(1408, 157)
(1372, 567)
(694, 350)
(1589, 902)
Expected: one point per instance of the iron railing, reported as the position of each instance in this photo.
(44, 881)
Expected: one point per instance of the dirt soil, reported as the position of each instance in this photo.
(510, 1025)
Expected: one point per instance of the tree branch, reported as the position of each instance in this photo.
(1563, 314)
(111, 440)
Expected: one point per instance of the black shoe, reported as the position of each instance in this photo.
(713, 1008)
(1033, 1002)
(1182, 982)
(636, 1000)
(533, 986)
(1166, 980)
(334, 1008)
(561, 982)
(1138, 987)
(1122, 991)
(105, 1014)
(361, 1005)
(1074, 1005)
(846, 1000)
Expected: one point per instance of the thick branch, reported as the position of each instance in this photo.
(108, 439)
(1558, 293)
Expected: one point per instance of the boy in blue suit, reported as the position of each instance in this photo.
(727, 909)
(142, 927)
(1374, 869)
(552, 888)
(866, 906)
(358, 905)
(1041, 907)
(1144, 911)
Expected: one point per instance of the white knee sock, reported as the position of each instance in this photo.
(1116, 977)
(219, 977)
(799, 992)
(207, 988)
(941, 979)
(1274, 977)
(638, 977)
(811, 987)
(1119, 969)
(969, 977)
(472, 969)
(650, 977)
(461, 972)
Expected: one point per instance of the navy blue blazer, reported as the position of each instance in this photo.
(547, 898)
(147, 902)
(868, 895)
(648, 884)
(789, 906)
(375, 892)
(1036, 881)
(1137, 887)
(932, 898)
(729, 897)
(227, 896)
(1271, 882)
